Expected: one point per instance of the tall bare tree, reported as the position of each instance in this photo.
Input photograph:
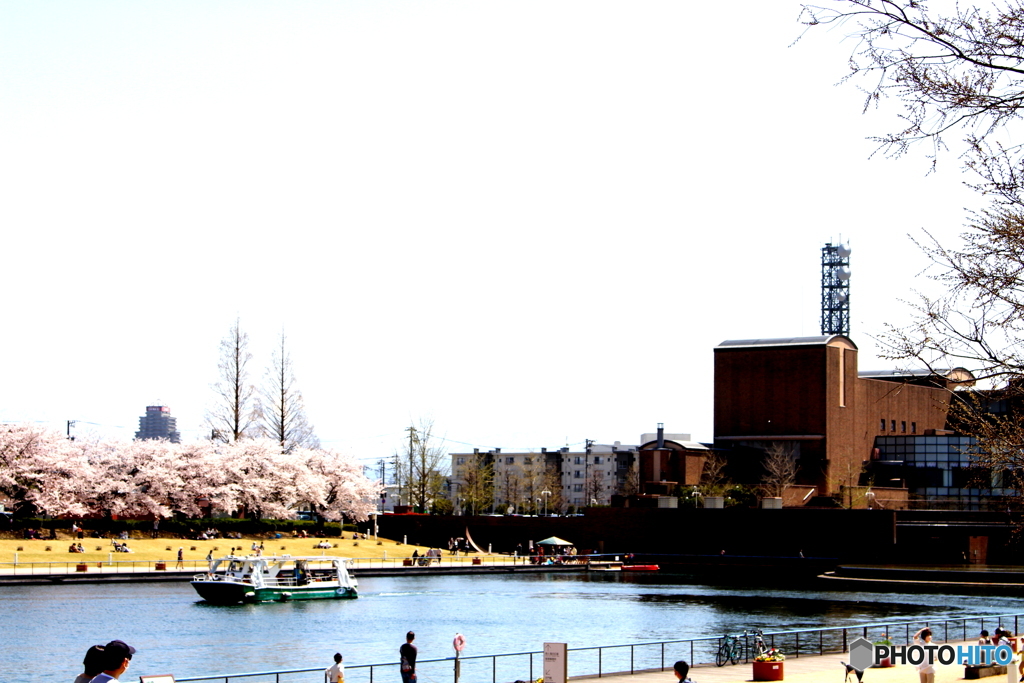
(427, 465)
(282, 412)
(957, 69)
(476, 492)
(233, 414)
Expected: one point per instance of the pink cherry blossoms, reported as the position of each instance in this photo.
(140, 478)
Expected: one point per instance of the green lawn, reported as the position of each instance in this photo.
(147, 549)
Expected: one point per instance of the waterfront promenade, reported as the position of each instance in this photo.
(804, 669)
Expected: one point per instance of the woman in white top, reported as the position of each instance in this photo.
(925, 669)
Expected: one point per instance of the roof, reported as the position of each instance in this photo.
(958, 375)
(824, 340)
(554, 540)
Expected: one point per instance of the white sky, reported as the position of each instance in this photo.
(528, 221)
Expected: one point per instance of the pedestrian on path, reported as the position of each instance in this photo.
(926, 670)
(408, 653)
(336, 674)
(181, 559)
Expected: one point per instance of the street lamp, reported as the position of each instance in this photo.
(545, 494)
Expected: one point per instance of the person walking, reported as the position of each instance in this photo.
(926, 669)
(682, 671)
(408, 653)
(181, 559)
(336, 674)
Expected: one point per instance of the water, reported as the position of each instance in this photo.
(48, 628)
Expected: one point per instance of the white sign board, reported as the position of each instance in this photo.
(556, 663)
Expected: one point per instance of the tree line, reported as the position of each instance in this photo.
(43, 471)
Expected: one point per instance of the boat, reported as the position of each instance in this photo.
(604, 566)
(254, 578)
(640, 567)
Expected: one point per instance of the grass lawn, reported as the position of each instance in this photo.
(166, 549)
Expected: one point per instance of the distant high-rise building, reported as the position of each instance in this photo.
(157, 423)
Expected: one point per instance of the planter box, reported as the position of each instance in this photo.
(161, 566)
(973, 673)
(768, 671)
(715, 502)
(407, 563)
(477, 560)
(82, 567)
(884, 664)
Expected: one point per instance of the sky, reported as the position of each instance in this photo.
(528, 222)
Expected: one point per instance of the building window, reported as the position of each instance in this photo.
(460, 461)
(509, 460)
(578, 474)
(577, 488)
(597, 460)
(893, 425)
(528, 461)
(579, 460)
(913, 428)
(903, 427)
(882, 427)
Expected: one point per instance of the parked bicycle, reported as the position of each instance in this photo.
(728, 651)
(731, 648)
(760, 647)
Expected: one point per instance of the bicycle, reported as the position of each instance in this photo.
(731, 650)
(728, 651)
(760, 648)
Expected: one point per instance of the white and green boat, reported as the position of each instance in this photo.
(253, 578)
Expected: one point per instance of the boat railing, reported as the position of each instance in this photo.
(645, 657)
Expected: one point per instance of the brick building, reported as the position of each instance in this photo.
(806, 395)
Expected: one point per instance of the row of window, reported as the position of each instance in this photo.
(927, 440)
(892, 426)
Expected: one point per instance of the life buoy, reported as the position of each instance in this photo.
(459, 642)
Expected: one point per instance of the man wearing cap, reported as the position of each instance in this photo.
(116, 655)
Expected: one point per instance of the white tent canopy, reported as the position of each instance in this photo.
(554, 540)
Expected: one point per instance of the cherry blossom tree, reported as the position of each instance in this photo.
(43, 471)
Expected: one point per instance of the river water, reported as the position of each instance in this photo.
(46, 629)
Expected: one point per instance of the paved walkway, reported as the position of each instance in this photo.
(809, 669)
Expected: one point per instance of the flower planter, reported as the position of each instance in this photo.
(161, 566)
(82, 567)
(768, 671)
(477, 560)
(406, 563)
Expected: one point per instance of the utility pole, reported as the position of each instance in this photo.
(412, 461)
(586, 472)
(71, 423)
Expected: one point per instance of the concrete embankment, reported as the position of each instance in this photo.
(131, 574)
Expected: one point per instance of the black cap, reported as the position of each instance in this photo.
(116, 651)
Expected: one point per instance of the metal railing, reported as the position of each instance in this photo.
(115, 564)
(632, 658)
